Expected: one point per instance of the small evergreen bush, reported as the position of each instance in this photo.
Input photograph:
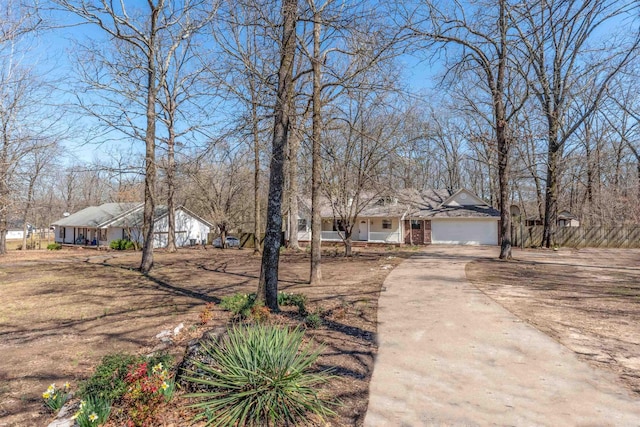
(258, 375)
(239, 304)
(245, 305)
(54, 246)
(296, 300)
(121, 244)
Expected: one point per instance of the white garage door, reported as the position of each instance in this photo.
(464, 232)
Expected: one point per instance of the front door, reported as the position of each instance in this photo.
(363, 231)
(415, 232)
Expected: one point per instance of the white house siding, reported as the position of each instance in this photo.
(68, 235)
(14, 234)
(187, 228)
(464, 231)
(304, 236)
(114, 234)
(379, 234)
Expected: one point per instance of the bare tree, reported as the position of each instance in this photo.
(136, 56)
(478, 35)
(186, 106)
(19, 102)
(358, 145)
(283, 110)
(244, 34)
(343, 43)
(33, 166)
(557, 38)
(216, 185)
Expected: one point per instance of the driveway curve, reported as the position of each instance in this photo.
(451, 356)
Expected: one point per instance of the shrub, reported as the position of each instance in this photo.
(122, 244)
(297, 300)
(260, 313)
(55, 397)
(239, 304)
(246, 305)
(93, 411)
(258, 375)
(54, 246)
(108, 382)
(148, 388)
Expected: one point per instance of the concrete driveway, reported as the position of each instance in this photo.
(451, 356)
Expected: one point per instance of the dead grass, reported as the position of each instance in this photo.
(589, 300)
(62, 311)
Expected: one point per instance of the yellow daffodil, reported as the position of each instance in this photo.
(82, 403)
(157, 368)
(67, 385)
(164, 385)
(93, 417)
(46, 395)
(51, 388)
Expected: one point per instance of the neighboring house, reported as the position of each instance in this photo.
(15, 230)
(565, 219)
(100, 225)
(412, 217)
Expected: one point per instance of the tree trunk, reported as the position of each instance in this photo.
(3, 232)
(268, 284)
(316, 159)
(223, 235)
(4, 192)
(551, 194)
(348, 243)
(294, 144)
(150, 153)
(502, 142)
(638, 173)
(171, 187)
(256, 177)
(27, 207)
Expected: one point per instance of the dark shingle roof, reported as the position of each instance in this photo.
(415, 204)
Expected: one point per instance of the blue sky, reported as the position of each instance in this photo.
(51, 54)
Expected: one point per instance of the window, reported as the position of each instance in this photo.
(338, 225)
(62, 233)
(302, 224)
(386, 224)
(102, 234)
(416, 224)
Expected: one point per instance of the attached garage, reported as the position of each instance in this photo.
(464, 231)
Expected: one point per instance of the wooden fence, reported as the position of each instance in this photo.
(626, 236)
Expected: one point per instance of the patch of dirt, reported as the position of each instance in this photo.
(588, 300)
(62, 311)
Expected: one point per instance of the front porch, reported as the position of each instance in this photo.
(368, 230)
(88, 237)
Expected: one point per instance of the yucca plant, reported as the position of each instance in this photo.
(259, 375)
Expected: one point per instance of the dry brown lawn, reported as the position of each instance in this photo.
(62, 311)
(588, 300)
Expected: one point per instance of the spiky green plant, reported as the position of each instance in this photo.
(259, 375)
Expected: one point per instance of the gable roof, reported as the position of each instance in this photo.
(96, 216)
(120, 215)
(417, 204)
